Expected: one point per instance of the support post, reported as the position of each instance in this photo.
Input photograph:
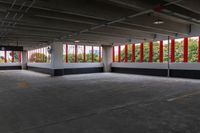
(199, 50)
(66, 52)
(185, 50)
(5, 56)
(13, 56)
(119, 53)
(172, 54)
(107, 57)
(133, 52)
(19, 56)
(113, 53)
(84, 54)
(172, 50)
(99, 53)
(92, 54)
(57, 59)
(141, 53)
(126, 53)
(151, 52)
(24, 59)
(161, 51)
(76, 53)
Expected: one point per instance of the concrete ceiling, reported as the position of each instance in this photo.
(39, 22)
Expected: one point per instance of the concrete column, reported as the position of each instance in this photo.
(57, 59)
(107, 57)
(24, 59)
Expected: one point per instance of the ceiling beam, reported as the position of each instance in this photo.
(137, 5)
(190, 5)
(89, 9)
(148, 21)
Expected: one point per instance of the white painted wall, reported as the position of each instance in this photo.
(69, 65)
(40, 65)
(185, 66)
(82, 65)
(180, 66)
(141, 65)
(10, 64)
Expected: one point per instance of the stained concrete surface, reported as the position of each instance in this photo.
(97, 103)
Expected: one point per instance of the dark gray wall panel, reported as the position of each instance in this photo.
(82, 70)
(142, 71)
(10, 67)
(195, 74)
(60, 72)
(41, 70)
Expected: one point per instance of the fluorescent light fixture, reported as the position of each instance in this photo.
(158, 21)
(76, 41)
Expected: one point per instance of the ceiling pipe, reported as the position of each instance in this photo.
(179, 16)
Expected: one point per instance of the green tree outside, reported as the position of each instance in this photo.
(193, 50)
(71, 58)
(1, 59)
(38, 58)
(16, 56)
(179, 52)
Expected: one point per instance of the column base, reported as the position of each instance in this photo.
(57, 72)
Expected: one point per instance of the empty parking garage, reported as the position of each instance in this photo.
(99, 66)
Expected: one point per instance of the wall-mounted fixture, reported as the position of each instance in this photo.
(49, 49)
(76, 41)
(158, 21)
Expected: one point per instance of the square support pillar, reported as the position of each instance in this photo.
(107, 57)
(57, 59)
(24, 60)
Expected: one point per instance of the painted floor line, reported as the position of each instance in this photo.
(183, 96)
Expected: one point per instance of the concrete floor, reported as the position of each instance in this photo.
(97, 103)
